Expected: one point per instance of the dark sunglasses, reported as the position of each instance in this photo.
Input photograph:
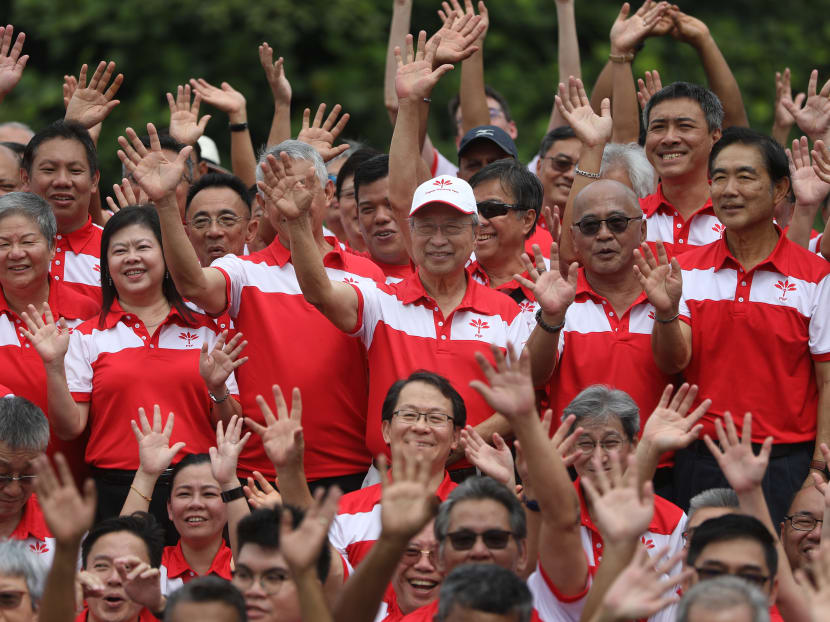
(491, 209)
(10, 599)
(615, 224)
(465, 539)
(561, 164)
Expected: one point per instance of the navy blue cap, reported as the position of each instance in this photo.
(494, 134)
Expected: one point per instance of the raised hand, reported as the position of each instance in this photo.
(458, 36)
(509, 389)
(809, 188)
(563, 442)
(575, 107)
(67, 512)
(125, 196)
(87, 585)
(301, 545)
(783, 93)
(407, 504)
(494, 460)
(49, 339)
(275, 74)
(185, 124)
(821, 161)
(154, 451)
(91, 104)
(229, 444)
(627, 32)
(141, 582)
(813, 118)
(416, 76)
(217, 366)
(321, 134)
(227, 99)
(288, 193)
(741, 467)
(648, 87)
(260, 493)
(150, 168)
(447, 8)
(669, 427)
(815, 584)
(688, 29)
(11, 62)
(661, 280)
(553, 292)
(282, 436)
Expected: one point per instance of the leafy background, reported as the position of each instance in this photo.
(335, 52)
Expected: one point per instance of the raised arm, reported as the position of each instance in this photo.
(821, 166)
(567, 57)
(11, 62)
(281, 90)
(223, 459)
(783, 120)
(398, 29)
(322, 132)
(813, 118)
(185, 125)
(158, 177)
(472, 98)
(810, 192)
(90, 104)
(215, 368)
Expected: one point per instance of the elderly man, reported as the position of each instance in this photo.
(717, 311)
(801, 528)
(9, 170)
(21, 581)
(263, 285)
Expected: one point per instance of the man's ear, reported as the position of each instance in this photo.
(780, 190)
(250, 234)
(329, 190)
(24, 177)
(528, 218)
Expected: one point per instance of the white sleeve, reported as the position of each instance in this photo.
(234, 269)
(820, 319)
(683, 308)
(78, 363)
(549, 607)
(370, 311)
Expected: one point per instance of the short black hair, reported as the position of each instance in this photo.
(516, 179)
(489, 91)
(69, 130)
(188, 460)
(563, 132)
(262, 527)
(376, 167)
(733, 527)
(17, 148)
(459, 410)
(487, 588)
(219, 180)
(706, 99)
(140, 524)
(208, 589)
(773, 154)
(350, 166)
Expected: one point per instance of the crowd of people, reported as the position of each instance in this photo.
(352, 383)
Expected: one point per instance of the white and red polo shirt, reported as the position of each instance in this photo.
(755, 335)
(5, 391)
(393, 272)
(32, 530)
(357, 525)
(292, 344)
(77, 262)
(428, 612)
(599, 346)
(404, 330)
(665, 223)
(175, 570)
(814, 245)
(118, 367)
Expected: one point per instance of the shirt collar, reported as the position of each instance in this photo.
(585, 518)
(52, 300)
(508, 287)
(778, 258)
(584, 290)
(177, 565)
(661, 203)
(335, 258)
(117, 314)
(80, 237)
(32, 524)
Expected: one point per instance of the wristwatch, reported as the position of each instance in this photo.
(821, 466)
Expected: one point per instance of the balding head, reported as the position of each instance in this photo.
(15, 132)
(607, 191)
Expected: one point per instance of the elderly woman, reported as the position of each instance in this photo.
(22, 577)
(146, 347)
(27, 246)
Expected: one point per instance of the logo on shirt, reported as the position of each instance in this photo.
(441, 183)
(648, 543)
(719, 228)
(479, 325)
(350, 280)
(651, 315)
(785, 286)
(189, 338)
(526, 306)
(39, 547)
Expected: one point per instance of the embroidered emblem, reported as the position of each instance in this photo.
(785, 286)
(39, 547)
(719, 228)
(442, 183)
(189, 338)
(479, 325)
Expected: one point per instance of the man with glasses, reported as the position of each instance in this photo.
(558, 155)
(21, 582)
(24, 435)
(218, 216)
(801, 528)
(481, 146)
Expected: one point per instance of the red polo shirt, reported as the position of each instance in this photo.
(357, 524)
(143, 616)
(5, 391)
(77, 262)
(119, 367)
(540, 236)
(21, 368)
(598, 346)
(755, 335)
(665, 223)
(428, 612)
(176, 571)
(392, 271)
(404, 330)
(292, 344)
(32, 530)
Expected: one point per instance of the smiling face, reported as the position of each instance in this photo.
(477, 155)
(802, 546)
(605, 436)
(229, 224)
(448, 245)
(24, 253)
(136, 263)
(14, 495)
(556, 170)
(195, 506)
(61, 175)
(377, 223)
(10, 180)
(113, 605)
(417, 580)
(280, 603)
(678, 139)
(502, 237)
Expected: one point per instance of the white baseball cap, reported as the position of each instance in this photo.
(448, 190)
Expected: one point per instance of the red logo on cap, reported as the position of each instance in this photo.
(442, 182)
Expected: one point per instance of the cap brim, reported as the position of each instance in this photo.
(414, 210)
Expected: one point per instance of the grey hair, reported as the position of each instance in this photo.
(487, 588)
(18, 560)
(17, 125)
(722, 593)
(34, 208)
(23, 426)
(474, 489)
(713, 498)
(632, 158)
(296, 150)
(599, 402)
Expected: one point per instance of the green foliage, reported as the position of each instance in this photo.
(335, 52)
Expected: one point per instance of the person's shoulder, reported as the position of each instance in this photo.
(361, 500)
(425, 613)
(362, 266)
(810, 266)
(493, 300)
(700, 256)
(667, 516)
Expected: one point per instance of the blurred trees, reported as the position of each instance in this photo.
(335, 52)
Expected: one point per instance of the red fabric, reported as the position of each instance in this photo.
(143, 616)
(32, 524)
(542, 237)
(173, 559)
(427, 613)
(665, 223)
(76, 266)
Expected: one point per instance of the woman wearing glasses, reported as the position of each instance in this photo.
(146, 347)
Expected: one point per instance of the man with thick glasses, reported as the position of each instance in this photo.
(24, 435)
(801, 528)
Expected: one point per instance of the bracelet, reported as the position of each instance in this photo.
(668, 321)
(233, 494)
(238, 127)
(427, 100)
(140, 494)
(545, 326)
(219, 400)
(621, 58)
(579, 171)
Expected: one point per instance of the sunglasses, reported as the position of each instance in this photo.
(615, 224)
(492, 209)
(10, 599)
(561, 164)
(465, 539)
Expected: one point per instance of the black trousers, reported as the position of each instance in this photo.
(347, 483)
(696, 470)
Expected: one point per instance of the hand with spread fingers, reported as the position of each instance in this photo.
(564, 440)
(671, 426)
(185, 124)
(285, 190)
(275, 74)
(810, 190)
(125, 196)
(216, 366)
(458, 36)
(282, 435)
(575, 107)
(50, 339)
(141, 582)
(224, 457)
(154, 451)
(821, 160)
(260, 493)
(494, 460)
(301, 545)
(416, 75)
(321, 134)
(783, 118)
(648, 87)
(407, 503)
(628, 32)
(552, 291)
(150, 168)
(91, 104)
(661, 279)
(509, 388)
(11, 62)
(813, 118)
(742, 468)
(227, 99)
